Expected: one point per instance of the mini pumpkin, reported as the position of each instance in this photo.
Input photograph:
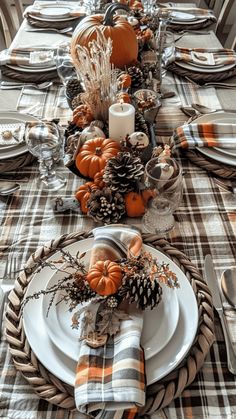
(94, 154)
(83, 195)
(82, 116)
(98, 179)
(122, 34)
(124, 81)
(105, 277)
(134, 204)
(123, 97)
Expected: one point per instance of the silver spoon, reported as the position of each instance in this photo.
(10, 85)
(205, 109)
(228, 285)
(64, 30)
(8, 188)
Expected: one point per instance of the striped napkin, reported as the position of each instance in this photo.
(28, 56)
(205, 135)
(205, 57)
(196, 11)
(110, 380)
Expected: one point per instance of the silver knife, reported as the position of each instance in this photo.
(212, 283)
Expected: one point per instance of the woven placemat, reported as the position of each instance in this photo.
(191, 27)
(199, 77)
(33, 77)
(54, 24)
(160, 394)
(220, 169)
(16, 162)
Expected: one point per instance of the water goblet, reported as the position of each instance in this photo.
(49, 149)
(65, 68)
(163, 175)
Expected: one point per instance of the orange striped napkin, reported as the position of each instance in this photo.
(205, 57)
(110, 380)
(38, 10)
(205, 135)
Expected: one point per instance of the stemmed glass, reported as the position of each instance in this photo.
(65, 68)
(48, 150)
(164, 177)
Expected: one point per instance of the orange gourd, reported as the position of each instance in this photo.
(98, 179)
(124, 81)
(123, 97)
(134, 204)
(105, 277)
(94, 154)
(82, 116)
(83, 195)
(122, 34)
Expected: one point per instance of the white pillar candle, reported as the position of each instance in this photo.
(121, 120)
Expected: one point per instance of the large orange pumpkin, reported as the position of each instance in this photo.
(94, 154)
(105, 277)
(122, 34)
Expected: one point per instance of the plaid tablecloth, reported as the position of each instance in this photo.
(205, 223)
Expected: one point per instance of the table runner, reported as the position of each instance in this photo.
(206, 223)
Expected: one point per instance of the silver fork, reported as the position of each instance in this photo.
(7, 283)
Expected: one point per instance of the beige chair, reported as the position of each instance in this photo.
(8, 21)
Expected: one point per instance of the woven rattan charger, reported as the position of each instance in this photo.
(16, 162)
(50, 388)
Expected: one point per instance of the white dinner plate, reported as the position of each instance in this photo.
(63, 367)
(178, 16)
(28, 69)
(155, 336)
(204, 69)
(13, 118)
(215, 153)
(189, 22)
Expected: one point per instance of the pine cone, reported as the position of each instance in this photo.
(143, 291)
(73, 88)
(106, 206)
(123, 172)
(136, 75)
(140, 123)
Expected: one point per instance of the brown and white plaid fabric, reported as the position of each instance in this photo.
(22, 56)
(192, 135)
(196, 11)
(199, 56)
(205, 223)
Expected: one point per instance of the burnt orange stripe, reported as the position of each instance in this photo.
(207, 133)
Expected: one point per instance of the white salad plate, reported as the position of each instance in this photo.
(33, 69)
(155, 336)
(205, 68)
(222, 155)
(178, 16)
(9, 118)
(63, 367)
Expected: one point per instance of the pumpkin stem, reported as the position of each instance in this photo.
(98, 151)
(109, 14)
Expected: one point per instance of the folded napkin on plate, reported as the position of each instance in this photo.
(205, 57)
(197, 12)
(38, 11)
(27, 56)
(111, 379)
(205, 135)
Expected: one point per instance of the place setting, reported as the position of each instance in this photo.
(188, 18)
(49, 15)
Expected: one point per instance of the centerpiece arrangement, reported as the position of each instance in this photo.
(110, 137)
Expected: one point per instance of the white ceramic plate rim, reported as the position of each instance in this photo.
(153, 339)
(203, 69)
(15, 117)
(180, 16)
(157, 367)
(189, 22)
(212, 152)
(32, 69)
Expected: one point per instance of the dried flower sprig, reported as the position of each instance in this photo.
(98, 75)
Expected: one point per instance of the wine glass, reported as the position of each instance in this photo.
(49, 150)
(65, 68)
(163, 175)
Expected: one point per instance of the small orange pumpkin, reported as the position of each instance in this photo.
(134, 204)
(82, 116)
(98, 179)
(123, 97)
(124, 81)
(105, 277)
(148, 194)
(83, 195)
(94, 154)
